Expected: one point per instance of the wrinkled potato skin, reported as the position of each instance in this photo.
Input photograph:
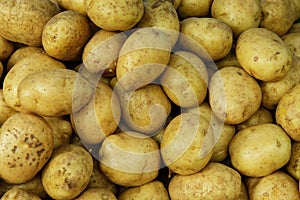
(293, 166)
(6, 110)
(194, 8)
(23, 21)
(292, 40)
(19, 194)
(215, 181)
(6, 49)
(96, 193)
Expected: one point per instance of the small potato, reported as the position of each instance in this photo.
(68, 172)
(65, 35)
(22, 21)
(292, 40)
(6, 110)
(76, 5)
(253, 149)
(263, 54)
(215, 181)
(240, 15)
(194, 8)
(214, 35)
(287, 113)
(234, 95)
(53, 92)
(6, 49)
(26, 66)
(185, 80)
(276, 186)
(293, 166)
(229, 60)
(19, 194)
(129, 159)
(114, 15)
(154, 190)
(97, 194)
(26, 144)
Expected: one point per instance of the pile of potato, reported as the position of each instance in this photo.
(150, 99)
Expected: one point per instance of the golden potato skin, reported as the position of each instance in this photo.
(23, 21)
(19, 194)
(194, 8)
(96, 193)
(253, 149)
(6, 110)
(293, 166)
(77, 5)
(26, 144)
(215, 181)
(68, 172)
(65, 35)
(6, 49)
(292, 40)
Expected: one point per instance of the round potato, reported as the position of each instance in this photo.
(65, 35)
(154, 190)
(234, 95)
(16, 193)
(96, 193)
(293, 166)
(6, 110)
(253, 149)
(185, 80)
(194, 8)
(26, 144)
(17, 19)
(6, 49)
(263, 54)
(76, 5)
(68, 172)
(240, 15)
(114, 15)
(215, 181)
(292, 40)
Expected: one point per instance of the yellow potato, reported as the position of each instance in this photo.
(292, 40)
(229, 60)
(114, 15)
(16, 193)
(295, 28)
(293, 166)
(6, 49)
(26, 145)
(77, 5)
(194, 8)
(65, 35)
(244, 192)
(6, 110)
(68, 172)
(17, 19)
(215, 181)
(253, 149)
(96, 193)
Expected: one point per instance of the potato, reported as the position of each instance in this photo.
(263, 54)
(297, 9)
(18, 17)
(190, 73)
(146, 58)
(292, 40)
(6, 110)
(26, 144)
(26, 66)
(96, 193)
(293, 166)
(278, 16)
(194, 8)
(287, 113)
(238, 14)
(273, 91)
(261, 116)
(19, 194)
(214, 35)
(252, 150)
(243, 193)
(277, 186)
(53, 92)
(113, 15)
(234, 95)
(229, 60)
(1, 69)
(76, 5)
(295, 28)
(129, 159)
(100, 117)
(154, 190)
(215, 181)
(68, 172)
(187, 144)
(65, 35)
(6, 49)
(176, 3)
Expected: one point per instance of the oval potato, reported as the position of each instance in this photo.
(16, 193)
(194, 8)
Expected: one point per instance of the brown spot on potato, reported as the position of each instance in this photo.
(255, 58)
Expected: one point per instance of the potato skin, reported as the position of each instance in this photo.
(18, 17)
(19, 194)
(6, 49)
(6, 110)
(293, 166)
(292, 40)
(77, 5)
(96, 193)
(194, 8)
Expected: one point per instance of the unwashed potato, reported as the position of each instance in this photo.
(56, 92)
(292, 40)
(263, 54)
(253, 149)
(234, 95)
(6, 110)
(6, 49)
(30, 64)
(19, 194)
(26, 145)
(215, 181)
(194, 8)
(240, 15)
(287, 113)
(154, 190)
(293, 166)
(77, 5)
(276, 186)
(17, 19)
(129, 159)
(273, 91)
(117, 15)
(97, 194)
(68, 172)
(65, 35)
(214, 35)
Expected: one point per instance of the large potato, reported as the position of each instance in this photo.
(292, 40)
(215, 181)
(263, 54)
(26, 144)
(293, 166)
(19, 194)
(6, 110)
(194, 8)
(23, 21)
(6, 49)
(234, 95)
(253, 149)
(65, 35)
(97, 194)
